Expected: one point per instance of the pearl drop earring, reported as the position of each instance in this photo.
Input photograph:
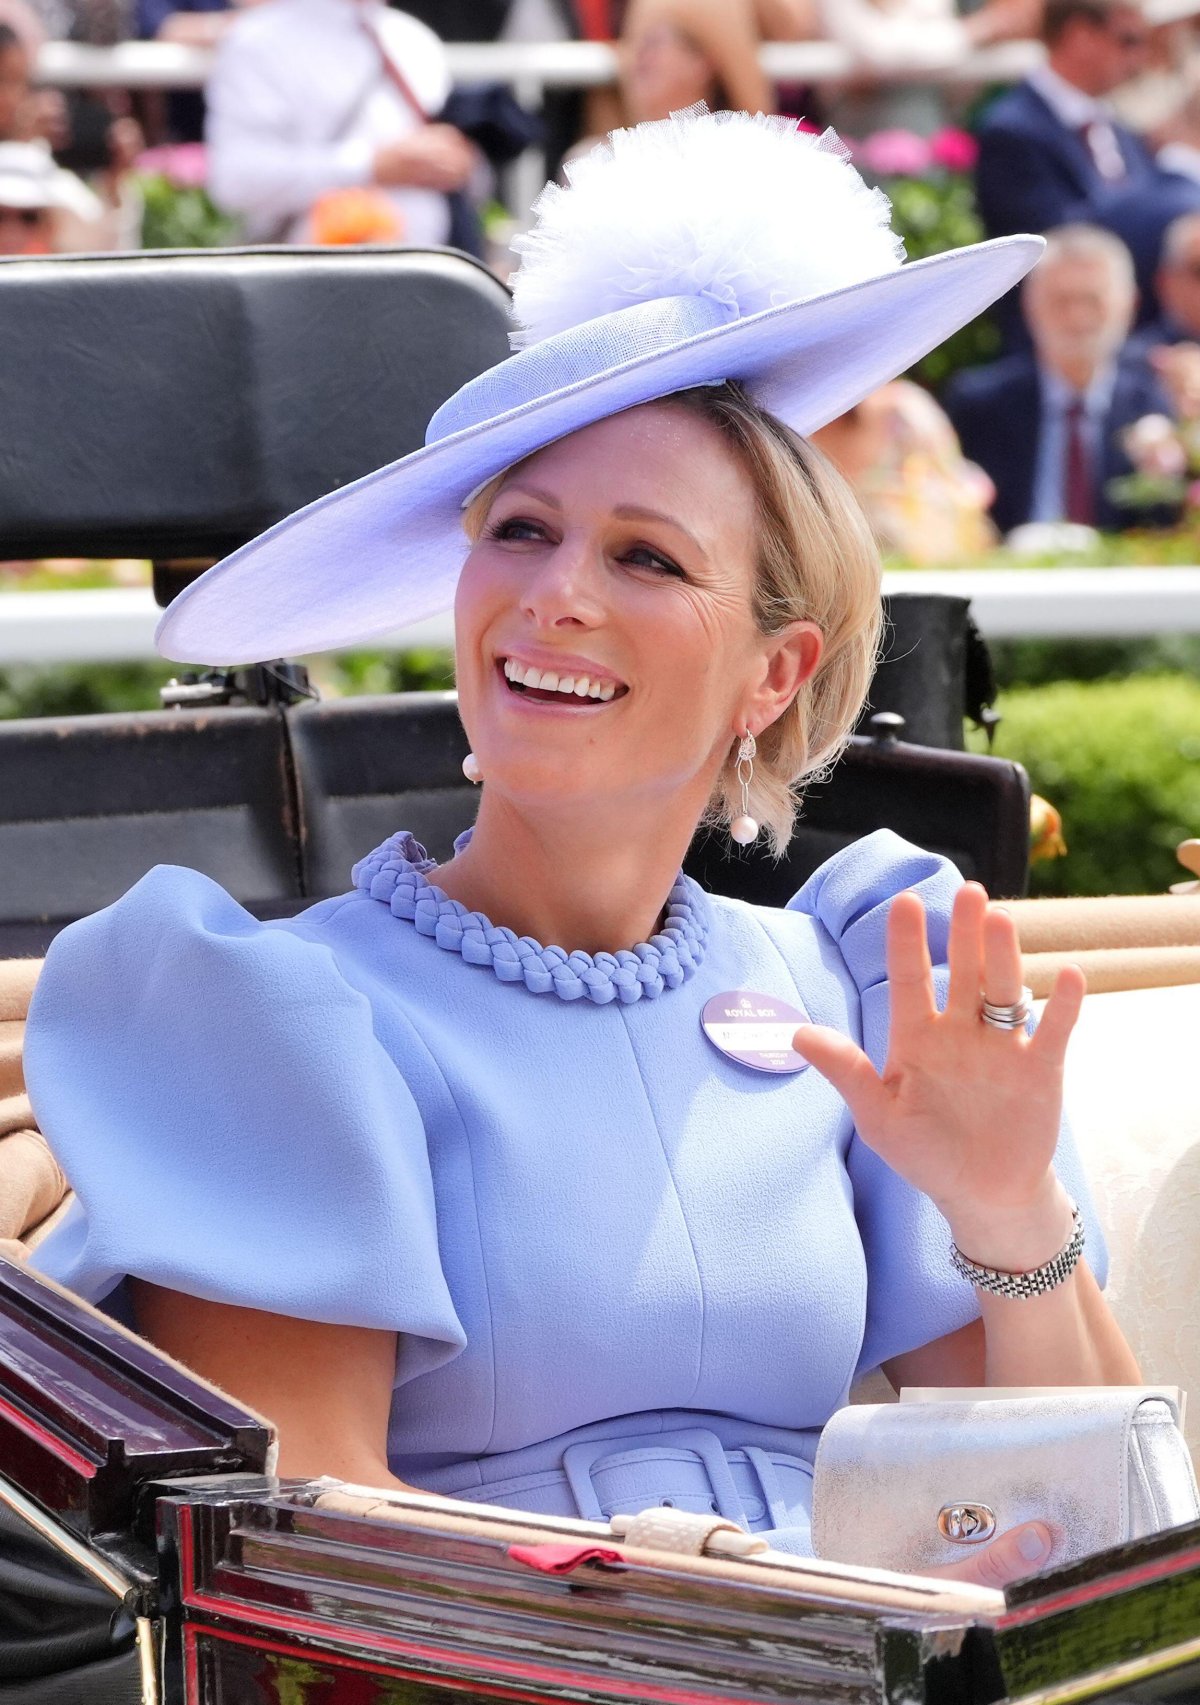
(471, 769)
(744, 829)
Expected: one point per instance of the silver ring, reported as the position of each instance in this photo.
(1007, 1017)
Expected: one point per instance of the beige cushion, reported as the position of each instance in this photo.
(1133, 1095)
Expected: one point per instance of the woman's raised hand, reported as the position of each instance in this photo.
(965, 1112)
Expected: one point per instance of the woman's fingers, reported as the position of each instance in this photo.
(966, 951)
(847, 1068)
(1059, 1015)
(1009, 1557)
(1003, 977)
(910, 970)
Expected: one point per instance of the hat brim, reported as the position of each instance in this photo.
(386, 551)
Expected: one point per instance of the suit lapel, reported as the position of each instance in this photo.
(1027, 413)
(1074, 154)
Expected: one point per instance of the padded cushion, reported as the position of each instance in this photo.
(1131, 1096)
(366, 767)
(173, 405)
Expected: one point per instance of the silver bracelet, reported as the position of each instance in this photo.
(1031, 1284)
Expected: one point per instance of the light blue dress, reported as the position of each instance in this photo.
(623, 1267)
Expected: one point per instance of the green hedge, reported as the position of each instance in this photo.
(82, 689)
(1121, 762)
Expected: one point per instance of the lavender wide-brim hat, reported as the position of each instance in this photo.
(706, 248)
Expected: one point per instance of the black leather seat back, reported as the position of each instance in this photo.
(173, 405)
(89, 803)
(367, 767)
(277, 808)
(972, 809)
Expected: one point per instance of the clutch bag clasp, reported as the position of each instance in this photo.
(966, 1524)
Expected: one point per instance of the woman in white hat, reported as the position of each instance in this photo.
(35, 196)
(578, 1228)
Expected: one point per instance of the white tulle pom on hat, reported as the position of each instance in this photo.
(749, 211)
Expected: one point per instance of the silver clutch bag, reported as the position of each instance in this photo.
(912, 1485)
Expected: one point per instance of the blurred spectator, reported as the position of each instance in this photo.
(101, 23)
(461, 20)
(1050, 149)
(1179, 284)
(925, 501)
(312, 96)
(19, 115)
(81, 220)
(677, 52)
(36, 198)
(1045, 425)
(1142, 221)
(673, 53)
(891, 40)
(191, 23)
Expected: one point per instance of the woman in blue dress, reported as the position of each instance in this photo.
(467, 1210)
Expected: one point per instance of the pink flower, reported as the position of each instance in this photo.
(1153, 447)
(895, 153)
(956, 150)
(185, 164)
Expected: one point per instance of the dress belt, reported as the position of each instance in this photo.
(688, 1469)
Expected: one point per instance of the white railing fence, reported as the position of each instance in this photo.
(1008, 603)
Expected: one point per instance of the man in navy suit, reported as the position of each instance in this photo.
(1051, 149)
(1046, 425)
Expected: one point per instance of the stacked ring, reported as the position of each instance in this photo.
(1012, 1017)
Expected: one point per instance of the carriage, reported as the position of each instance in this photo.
(147, 1549)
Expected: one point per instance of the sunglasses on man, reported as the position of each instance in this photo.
(29, 217)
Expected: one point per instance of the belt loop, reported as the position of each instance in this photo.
(764, 1468)
(711, 1452)
(577, 1466)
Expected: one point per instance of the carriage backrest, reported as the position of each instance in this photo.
(278, 806)
(171, 406)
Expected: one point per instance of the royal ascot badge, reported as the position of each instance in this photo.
(755, 1030)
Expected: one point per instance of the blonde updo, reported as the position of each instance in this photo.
(818, 562)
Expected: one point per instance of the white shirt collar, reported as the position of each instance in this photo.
(1058, 396)
(1068, 104)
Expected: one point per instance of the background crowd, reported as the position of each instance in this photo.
(337, 121)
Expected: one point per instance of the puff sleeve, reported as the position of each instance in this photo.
(913, 1294)
(215, 1091)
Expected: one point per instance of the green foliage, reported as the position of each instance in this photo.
(181, 216)
(351, 673)
(82, 689)
(933, 214)
(1032, 662)
(1121, 762)
(1177, 547)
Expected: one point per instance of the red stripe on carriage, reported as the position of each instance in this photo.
(58, 1447)
(284, 1622)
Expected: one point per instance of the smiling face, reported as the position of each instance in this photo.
(608, 652)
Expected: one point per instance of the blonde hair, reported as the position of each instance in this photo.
(817, 561)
